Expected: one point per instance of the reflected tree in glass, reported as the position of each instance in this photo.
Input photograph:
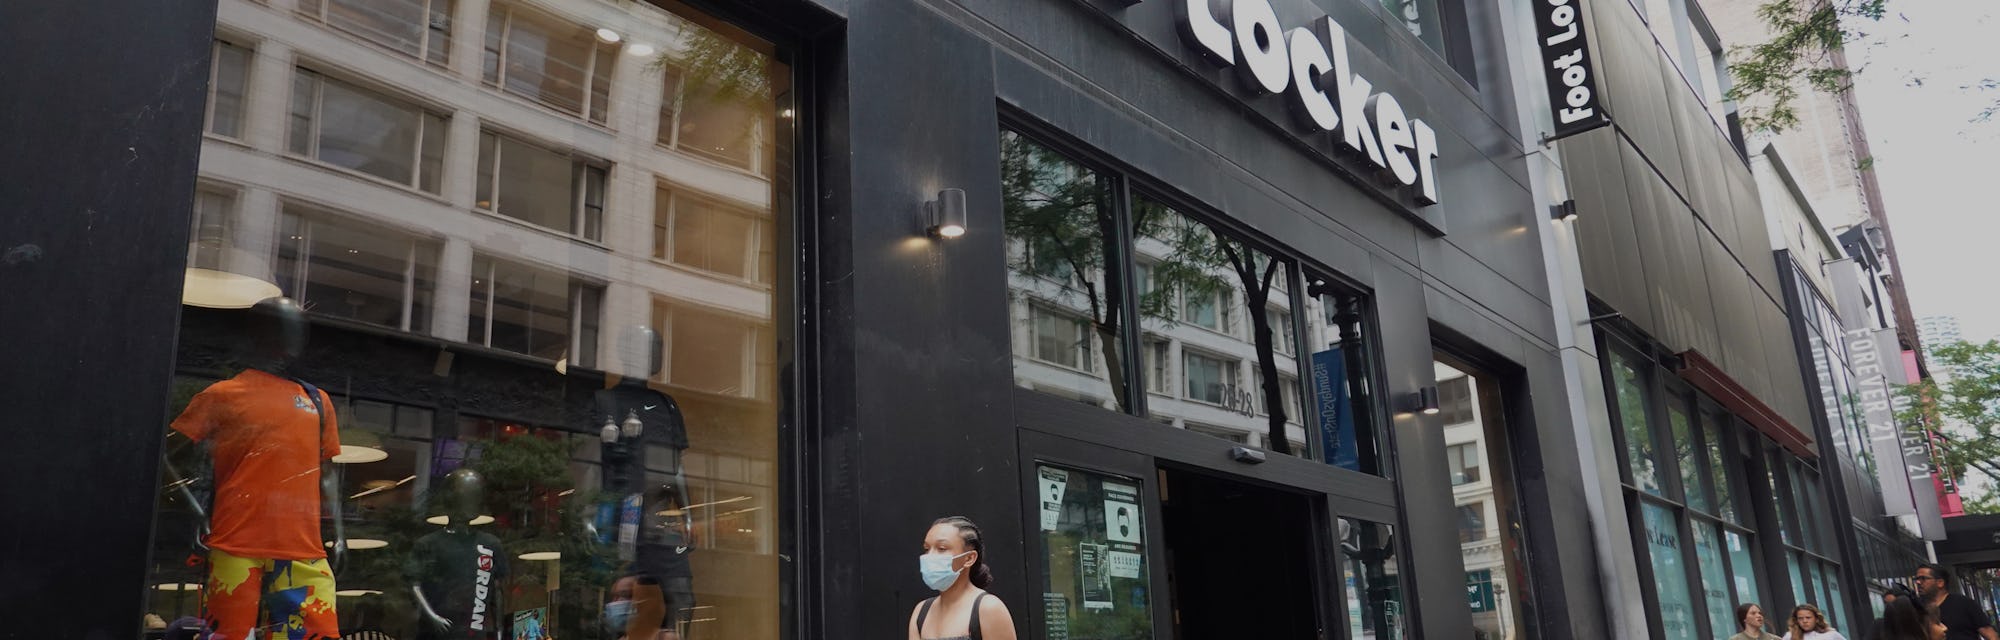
(1064, 215)
(1199, 252)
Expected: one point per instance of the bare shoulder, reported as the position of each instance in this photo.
(990, 605)
(995, 622)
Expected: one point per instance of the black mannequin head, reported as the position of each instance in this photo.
(639, 349)
(459, 496)
(274, 333)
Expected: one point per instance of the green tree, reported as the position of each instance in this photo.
(1808, 43)
(1964, 411)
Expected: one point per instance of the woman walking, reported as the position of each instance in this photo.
(1750, 623)
(1906, 619)
(954, 564)
(1807, 623)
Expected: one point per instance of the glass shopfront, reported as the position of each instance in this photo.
(1685, 471)
(482, 333)
(1220, 318)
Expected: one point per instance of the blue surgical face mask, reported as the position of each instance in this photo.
(617, 613)
(938, 574)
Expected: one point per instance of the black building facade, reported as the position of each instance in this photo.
(1183, 359)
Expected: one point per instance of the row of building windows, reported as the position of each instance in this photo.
(556, 63)
(343, 125)
(343, 264)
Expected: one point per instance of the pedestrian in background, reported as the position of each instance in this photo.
(1895, 592)
(1750, 622)
(1807, 623)
(1906, 618)
(1962, 617)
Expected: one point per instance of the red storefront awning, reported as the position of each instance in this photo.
(1710, 379)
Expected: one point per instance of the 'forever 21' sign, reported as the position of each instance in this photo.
(1567, 67)
(1306, 64)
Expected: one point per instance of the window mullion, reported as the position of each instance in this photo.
(590, 81)
(318, 117)
(492, 292)
(493, 195)
(417, 150)
(214, 72)
(1131, 339)
(409, 283)
(575, 321)
(579, 185)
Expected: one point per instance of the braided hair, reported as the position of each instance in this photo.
(980, 574)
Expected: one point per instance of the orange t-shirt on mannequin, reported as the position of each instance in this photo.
(266, 441)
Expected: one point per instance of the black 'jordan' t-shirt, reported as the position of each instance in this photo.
(461, 575)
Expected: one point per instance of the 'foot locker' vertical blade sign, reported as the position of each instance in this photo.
(1571, 75)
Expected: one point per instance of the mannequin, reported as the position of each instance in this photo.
(664, 543)
(458, 574)
(270, 439)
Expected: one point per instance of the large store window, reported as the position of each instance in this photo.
(1221, 315)
(1490, 526)
(1682, 469)
(434, 381)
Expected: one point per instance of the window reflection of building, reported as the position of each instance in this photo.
(1201, 292)
(1488, 523)
(343, 268)
(346, 126)
(487, 217)
(419, 29)
(541, 58)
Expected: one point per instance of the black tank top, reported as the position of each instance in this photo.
(971, 628)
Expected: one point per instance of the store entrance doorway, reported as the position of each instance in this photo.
(1239, 558)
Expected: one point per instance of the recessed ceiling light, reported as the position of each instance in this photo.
(211, 289)
(607, 35)
(351, 454)
(177, 586)
(641, 50)
(476, 521)
(542, 555)
(362, 543)
(351, 593)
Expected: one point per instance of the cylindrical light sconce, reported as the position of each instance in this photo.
(945, 216)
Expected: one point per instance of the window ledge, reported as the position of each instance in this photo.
(1064, 367)
(233, 141)
(711, 275)
(603, 127)
(372, 178)
(541, 229)
(736, 168)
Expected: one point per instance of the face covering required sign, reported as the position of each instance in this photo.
(1310, 65)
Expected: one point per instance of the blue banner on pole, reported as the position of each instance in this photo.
(1336, 411)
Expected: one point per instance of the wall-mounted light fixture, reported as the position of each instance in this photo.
(1564, 211)
(945, 216)
(1424, 401)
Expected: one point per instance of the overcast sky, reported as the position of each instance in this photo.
(1940, 170)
